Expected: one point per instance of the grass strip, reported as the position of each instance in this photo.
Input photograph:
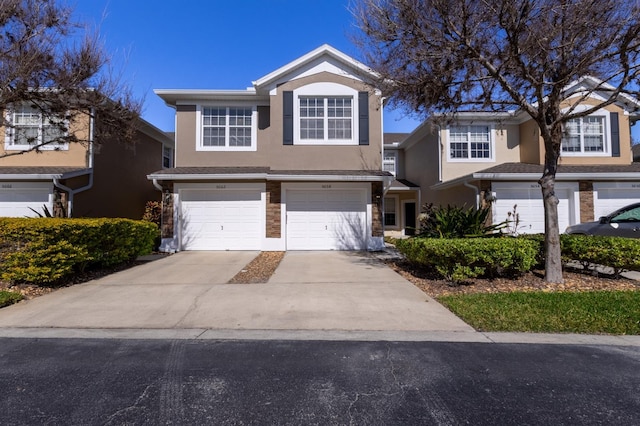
(591, 312)
(9, 298)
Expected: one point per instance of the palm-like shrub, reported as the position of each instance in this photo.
(456, 222)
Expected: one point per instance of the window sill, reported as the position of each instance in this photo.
(41, 148)
(227, 148)
(326, 142)
(471, 160)
(586, 154)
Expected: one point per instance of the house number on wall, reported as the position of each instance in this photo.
(7, 186)
(221, 186)
(326, 186)
(635, 185)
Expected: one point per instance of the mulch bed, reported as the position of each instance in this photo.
(260, 269)
(29, 291)
(574, 280)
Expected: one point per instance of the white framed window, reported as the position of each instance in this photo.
(325, 114)
(389, 162)
(30, 128)
(326, 118)
(585, 135)
(167, 157)
(470, 143)
(227, 128)
(390, 212)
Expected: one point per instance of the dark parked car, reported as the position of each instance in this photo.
(624, 222)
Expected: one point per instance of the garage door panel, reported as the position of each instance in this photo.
(610, 198)
(19, 202)
(326, 220)
(221, 220)
(529, 207)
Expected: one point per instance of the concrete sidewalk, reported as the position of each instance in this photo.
(311, 296)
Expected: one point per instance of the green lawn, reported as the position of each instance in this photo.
(594, 312)
(9, 298)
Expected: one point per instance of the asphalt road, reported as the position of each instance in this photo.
(115, 382)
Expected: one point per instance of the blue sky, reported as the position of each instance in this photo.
(215, 44)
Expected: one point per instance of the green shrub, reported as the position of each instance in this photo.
(42, 263)
(9, 298)
(458, 259)
(44, 250)
(456, 222)
(615, 252)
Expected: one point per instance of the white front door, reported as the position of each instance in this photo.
(220, 219)
(331, 219)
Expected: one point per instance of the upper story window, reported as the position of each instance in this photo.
(226, 128)
(389, 162)
(471, 142)
(584, 135)
(167, 157)
(327, 114)
(30, 128)
(326, 118)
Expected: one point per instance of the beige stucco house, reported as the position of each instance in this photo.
(78, 179)
(497, 158)
(291, 163)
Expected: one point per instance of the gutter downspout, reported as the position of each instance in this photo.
(442, 148)
(382, 99)
(476, 190)
(72, 192)
(157, 185)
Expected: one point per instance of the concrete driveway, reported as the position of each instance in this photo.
(319, 291)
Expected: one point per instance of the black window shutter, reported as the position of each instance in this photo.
(264, 117)
(287, 114)
(615, 134)
(363, 119)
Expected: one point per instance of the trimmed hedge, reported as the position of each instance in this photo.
(619, 253)
(45, 250)
(458, 259)
(462, 258)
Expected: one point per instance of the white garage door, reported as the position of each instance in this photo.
(609, 197)
(326, 219)
(528, 199)
(17, 202)
(220, 220)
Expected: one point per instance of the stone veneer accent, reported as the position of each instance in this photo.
(60, 200)
(377, 230)
(586, 201)
(274, 196)
(166, 229)
(485, 191)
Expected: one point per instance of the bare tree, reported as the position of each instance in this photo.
(58, 71)
(446, 56)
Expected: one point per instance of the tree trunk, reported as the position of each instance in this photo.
(553, 255)
(553, 258)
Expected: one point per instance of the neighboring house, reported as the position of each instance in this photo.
(481, 157)
(402, 200)
(292, 163)
(78, 179)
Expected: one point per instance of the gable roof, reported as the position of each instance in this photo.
(324, 58)
(323, 55)
(601, 88)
